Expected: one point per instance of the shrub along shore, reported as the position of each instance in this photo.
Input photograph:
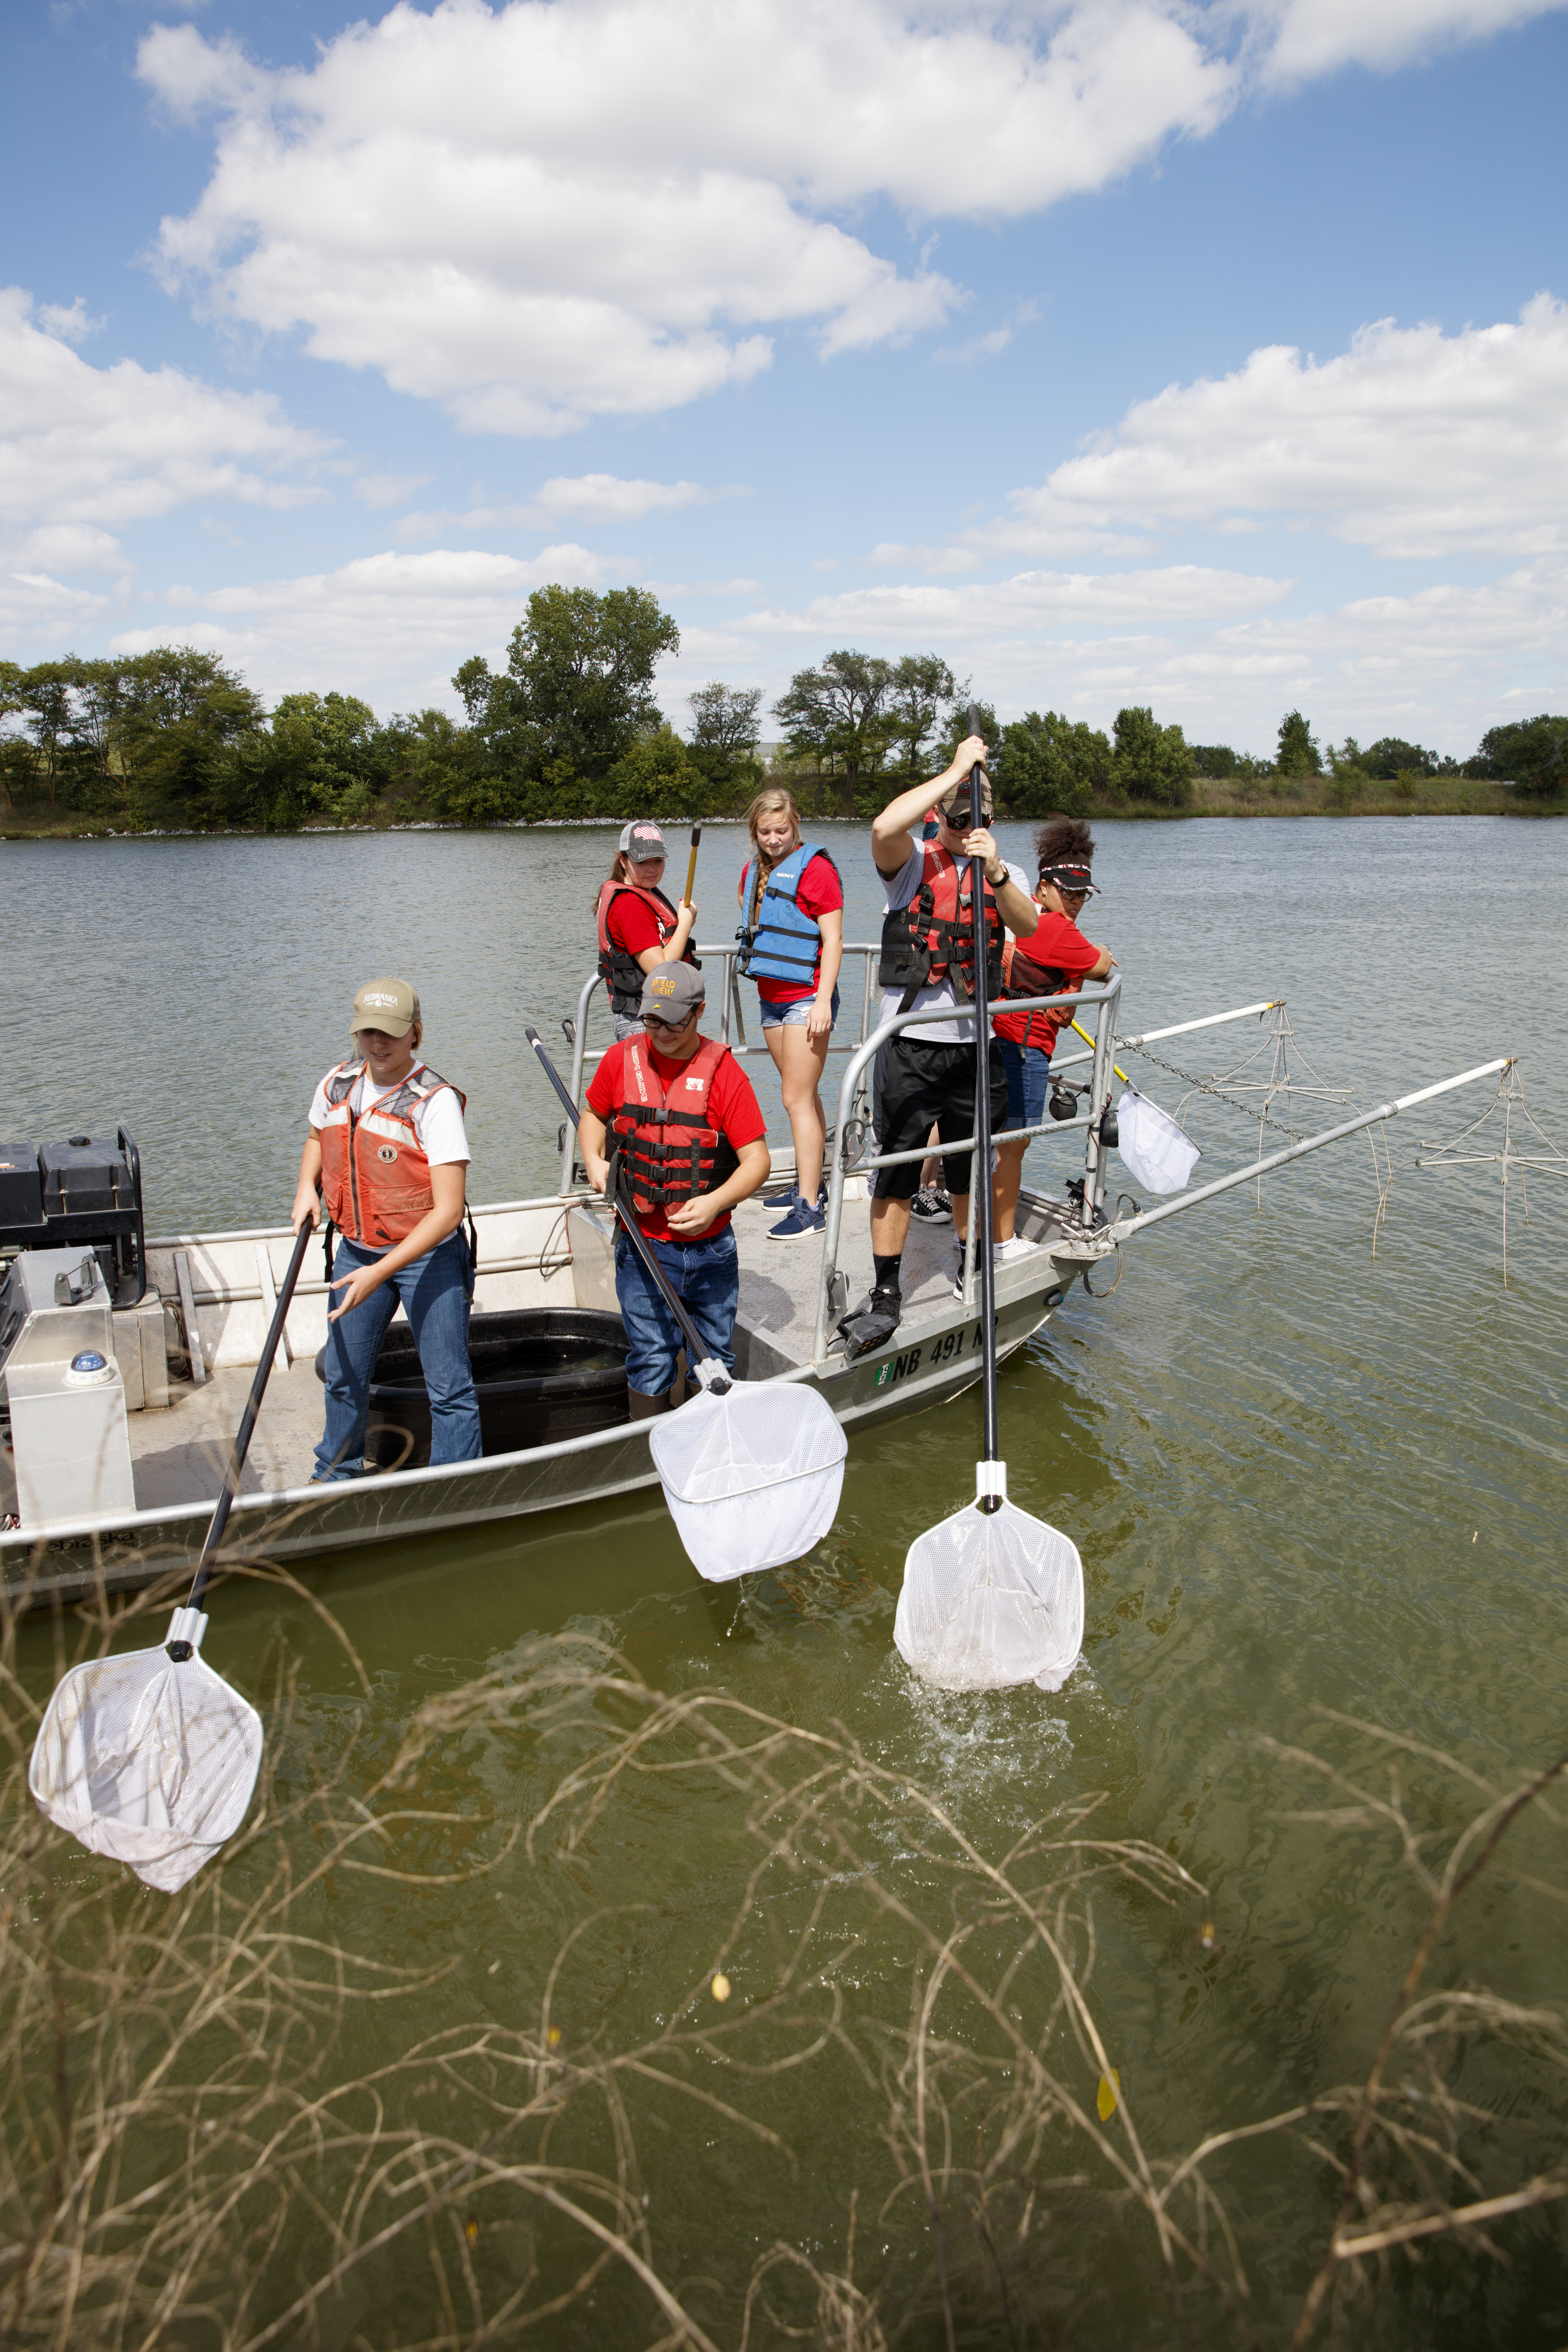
(171, 741)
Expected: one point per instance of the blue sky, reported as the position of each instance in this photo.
(1212, 358)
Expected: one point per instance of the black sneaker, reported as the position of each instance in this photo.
(873, 1322)
(930, 1201)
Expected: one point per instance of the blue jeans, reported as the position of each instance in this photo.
(705, 1275)
(1028, 1069)
(435, 1294)
(792, 1016)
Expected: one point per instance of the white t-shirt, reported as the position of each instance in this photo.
(900, 891)
(438, 1122)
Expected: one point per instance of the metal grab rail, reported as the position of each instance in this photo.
(1102, 1001)
(728, 995)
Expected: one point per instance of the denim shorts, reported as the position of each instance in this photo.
(792, 1016)
(1028, 1069)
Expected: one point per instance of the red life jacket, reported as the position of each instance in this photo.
(935, 935)
(376, 1178)
(667, 1147)
(618, 968)
(1021, 976)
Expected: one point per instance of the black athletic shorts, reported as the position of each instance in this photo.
(916, 1083)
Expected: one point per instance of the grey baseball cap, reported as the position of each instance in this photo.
(643, 843)
(672, 991)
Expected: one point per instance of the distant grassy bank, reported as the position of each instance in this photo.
(1264, 796)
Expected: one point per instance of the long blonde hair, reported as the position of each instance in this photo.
(771, 797)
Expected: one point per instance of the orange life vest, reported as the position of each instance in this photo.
(934, 934)
(376, 1178)
(618, 968)
(667, 1147)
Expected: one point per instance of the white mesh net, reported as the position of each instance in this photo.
(148, 1761)
(990, 1599)
(753, 1478)
(1159, 1155)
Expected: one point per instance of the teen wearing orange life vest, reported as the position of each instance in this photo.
(1057, 956)
(678, 1115)
(389, 1150)
(927, 1072)
(637, 927)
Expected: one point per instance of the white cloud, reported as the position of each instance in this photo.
(605, 497)
(1306, 37)
(82, 445)
(70, 321)
(1412, 444)
(388, 489)
(389, 626)
(47, 614)
(1024, 607)
(547, 210)
(580, 497)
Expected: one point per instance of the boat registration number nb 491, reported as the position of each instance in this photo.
(945, 1350)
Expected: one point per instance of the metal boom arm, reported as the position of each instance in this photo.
(1125, 1228)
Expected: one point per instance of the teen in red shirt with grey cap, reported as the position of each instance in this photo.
(388, 1149)
(636, 925)
(676, 1115)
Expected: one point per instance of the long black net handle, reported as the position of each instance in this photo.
(179, 1650)
(696, 1353)
(983, 1222)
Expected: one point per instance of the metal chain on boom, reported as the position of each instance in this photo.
(1203, 1087)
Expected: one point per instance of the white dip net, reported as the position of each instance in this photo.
(753, 1477)
(148, 1761)
(1159, 1154)
(990, 1599)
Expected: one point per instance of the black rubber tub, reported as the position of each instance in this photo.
(542, 1373)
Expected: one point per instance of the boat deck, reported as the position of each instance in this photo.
(779, 1280)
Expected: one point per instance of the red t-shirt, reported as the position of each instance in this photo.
(733, 1107)
(1057, 946)
(818, 893)
(633, 924)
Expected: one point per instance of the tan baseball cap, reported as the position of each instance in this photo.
(386, 1004)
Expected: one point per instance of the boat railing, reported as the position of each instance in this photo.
(732, 1022)
(847, 1161)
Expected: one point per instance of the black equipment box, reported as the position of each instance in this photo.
(21, 1185)
(85, 1189)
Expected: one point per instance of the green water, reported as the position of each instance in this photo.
(1300, 1479)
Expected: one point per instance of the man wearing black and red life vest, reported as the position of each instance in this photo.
(927, 1073)
(683, 1133)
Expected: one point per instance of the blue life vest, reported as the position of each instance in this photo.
(781, 943)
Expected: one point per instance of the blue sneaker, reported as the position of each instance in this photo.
(800, 1221)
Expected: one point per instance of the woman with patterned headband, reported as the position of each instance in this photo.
(1057, 956)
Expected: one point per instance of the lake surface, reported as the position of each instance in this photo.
(1302, 1479)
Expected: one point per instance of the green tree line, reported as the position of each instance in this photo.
(569, 727)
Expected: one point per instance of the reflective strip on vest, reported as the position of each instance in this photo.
(667, 1146)
(781, 943)
(376, 1178)
(934, 934)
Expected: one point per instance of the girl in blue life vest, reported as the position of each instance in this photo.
(792, 942)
